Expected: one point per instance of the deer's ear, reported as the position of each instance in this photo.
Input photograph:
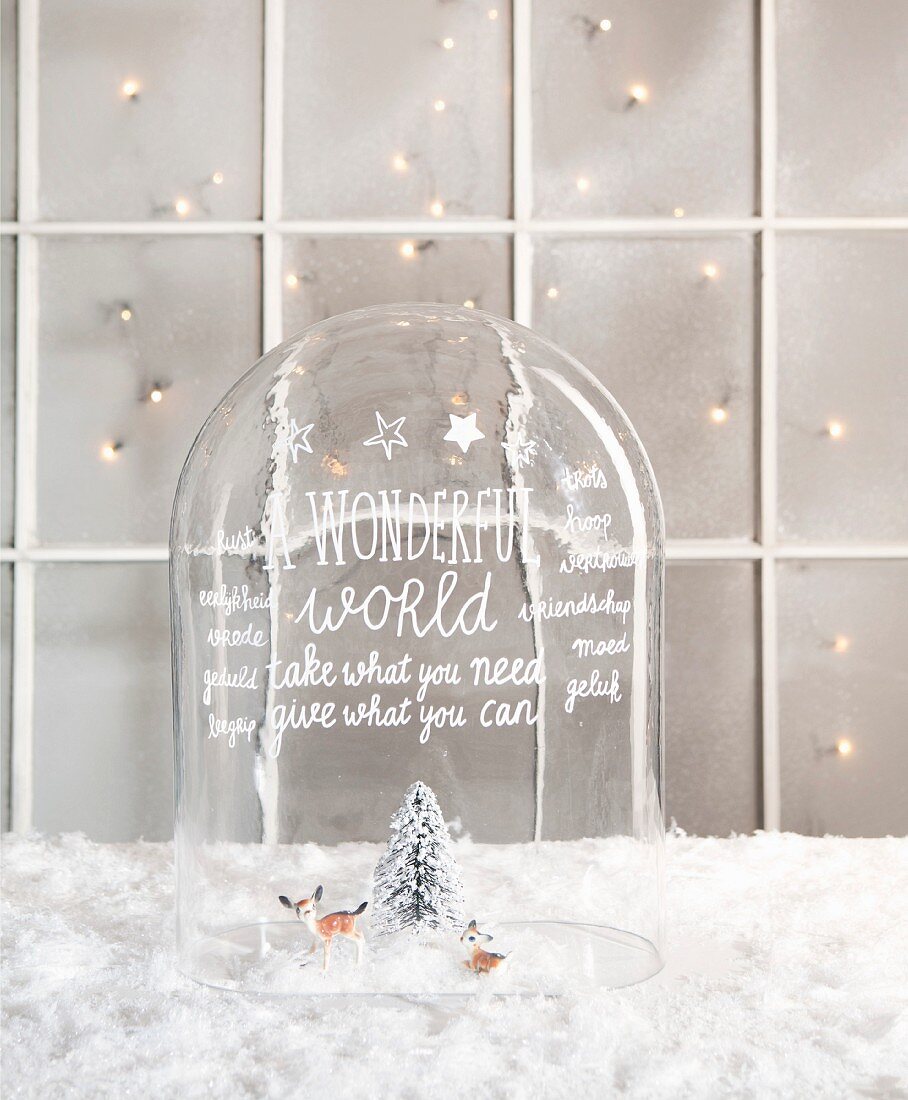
(285, 901)
(318, 894)
(485, 937)
(472, 924)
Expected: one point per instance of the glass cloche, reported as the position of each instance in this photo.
(417, 597)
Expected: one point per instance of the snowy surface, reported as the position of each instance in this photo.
(787, 976)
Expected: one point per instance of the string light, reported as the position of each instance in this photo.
(718, 414)
(835, 429)
(217, 178)
(448, 43)
(844, 747)
(460, 398)
(292, 280)
(583, 185)
(552, 293)
(492, 14)
(437, 208)
(841, 644)
(130, 88)
(125, 313)
(181, 206)
(469, 304)
(710, 271)
(334, 466)
(408, 250)
(110, 451)
(639, 93)
(156, 394)
(399, 162)
(678, 212)
(605, 24)
(439, 105)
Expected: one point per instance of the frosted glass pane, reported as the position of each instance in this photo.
(8, 108)
(331, 275)
(843, 668)
(843, 330)
(193, 328)
(362, 86)
(712, 697)
(676, 349)
(7, 388)
(103, 741)
(843, 101)
(195, 117)
(6, 692)
(689, 141)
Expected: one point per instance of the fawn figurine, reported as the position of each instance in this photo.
(480, 960)
(342, 923)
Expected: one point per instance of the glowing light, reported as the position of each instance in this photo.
(469, 304)
(448, 43)
(639, 93)
(334, 466)
(181, 206)
(408, 250)
(156, 395)
(217, 178)
(125, 314)
(130, 88)
(460, 398)
(552, 293)
(439, 105)
(455, 460)
(710, 271)
(835, 429)
(678, 212)
(399, 162)
(583, 185)
(292, 280)
(437, 208)
(110, 450)
(605, 24)
(841, 644)
(844, 747)
(492, 13)
(718, 414)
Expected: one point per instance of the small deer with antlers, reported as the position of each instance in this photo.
(341, 923)
(480, 960)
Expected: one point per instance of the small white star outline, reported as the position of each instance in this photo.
(521, 451)
(298, 440)
(388, 434)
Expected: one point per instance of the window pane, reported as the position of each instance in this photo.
(688, 140)
(843, 143)
(843, 388)
(676, 348)
(103, 742)
(712, 697)
(331, 275)
(363, 86)
(145, 106)
(8, 107)
(192, 328)
(843, 667)
(6, 690)
(7, 388)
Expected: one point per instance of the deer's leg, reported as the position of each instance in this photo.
(327, 943)
(359, 939)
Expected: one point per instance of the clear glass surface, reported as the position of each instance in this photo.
(444, 503)
(6, 690)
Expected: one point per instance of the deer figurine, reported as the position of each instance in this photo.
(342, 923)
(480, 960)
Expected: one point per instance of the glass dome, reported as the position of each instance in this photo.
(417, 573)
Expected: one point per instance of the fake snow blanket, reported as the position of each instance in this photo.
(786, 976)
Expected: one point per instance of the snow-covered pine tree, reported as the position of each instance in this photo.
(416, 884)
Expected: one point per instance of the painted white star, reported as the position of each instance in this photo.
(388, 434)
(521, 451)
(463, 431)
(298, 440)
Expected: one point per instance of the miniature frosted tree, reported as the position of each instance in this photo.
(416, 883)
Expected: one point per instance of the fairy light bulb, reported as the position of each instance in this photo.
(841, 643)
(181, 206)
(408, 250)
(217, 178)
(552, 293)
(460, 398)
(835, 429)
(130, 88)
(437, 208)
(605, 25)
(439, 105)
(469, 304)
(583, 184)
(125, 314)
(718, 414)
(334, 466)
(678, 212)
(156, 394)
(292, 281)
(399, 162)
(110, 451)
(492, 14)
(844, 747)
(447, 43)
(710, 271)
(639, 93)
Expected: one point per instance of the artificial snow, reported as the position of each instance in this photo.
(786, 975)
